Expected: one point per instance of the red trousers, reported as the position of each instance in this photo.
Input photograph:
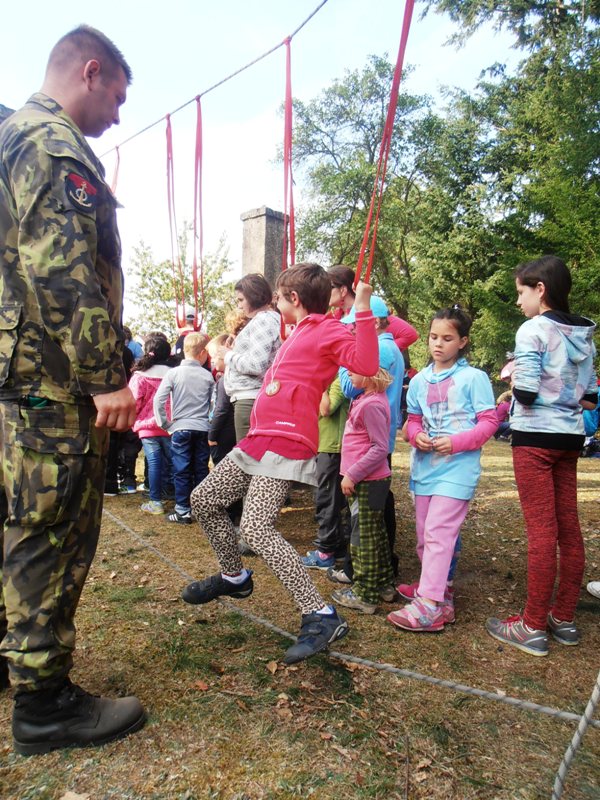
(547, 484)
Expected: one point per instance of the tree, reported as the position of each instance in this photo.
(534, 22)
(153, 292)
(336, 147)
(500, 176)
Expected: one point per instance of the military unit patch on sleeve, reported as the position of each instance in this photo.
(81, 193)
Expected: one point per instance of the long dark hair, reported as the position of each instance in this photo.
(459, 318)
(554, 274)
(156, 351)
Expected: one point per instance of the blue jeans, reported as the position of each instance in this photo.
(190, 453)
(157, 450)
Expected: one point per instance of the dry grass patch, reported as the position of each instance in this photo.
(227, 721)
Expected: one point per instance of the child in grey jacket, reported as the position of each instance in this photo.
(190, 387)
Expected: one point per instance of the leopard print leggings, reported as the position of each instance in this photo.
(264, 497)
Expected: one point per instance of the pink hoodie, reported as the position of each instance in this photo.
(144, 385)
(304, 367)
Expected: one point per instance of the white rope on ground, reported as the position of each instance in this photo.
(585, 721)
(525, 705)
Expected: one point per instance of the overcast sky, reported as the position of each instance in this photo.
(178, 49)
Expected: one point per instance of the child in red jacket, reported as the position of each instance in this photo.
(280, 448)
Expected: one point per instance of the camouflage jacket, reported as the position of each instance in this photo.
(61, 285)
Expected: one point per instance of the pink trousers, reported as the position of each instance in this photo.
(438, 521)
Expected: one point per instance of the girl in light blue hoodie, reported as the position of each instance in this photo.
(553, 381)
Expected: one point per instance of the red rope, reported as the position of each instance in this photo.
(198, 223)
(383, 155)
(178, 294)
(288, 181)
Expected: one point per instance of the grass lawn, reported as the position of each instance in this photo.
(228, 721)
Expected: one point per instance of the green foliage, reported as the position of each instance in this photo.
(154, 290)
(533, 22)
(496, 178)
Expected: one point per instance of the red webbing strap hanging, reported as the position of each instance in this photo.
(198, 222)
(383, 154)
(178, 292)
(113, 186)
(288, 191)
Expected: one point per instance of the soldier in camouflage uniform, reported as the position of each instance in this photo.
(62, 384)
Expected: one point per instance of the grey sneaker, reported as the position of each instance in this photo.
(388, 593)
(513, 631)
(347, 598)
(338, 576)
(563, 632)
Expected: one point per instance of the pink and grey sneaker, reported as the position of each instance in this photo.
(515, 632)
(448, 606)
(418, 617)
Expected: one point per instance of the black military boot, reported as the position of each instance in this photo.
(67, 716)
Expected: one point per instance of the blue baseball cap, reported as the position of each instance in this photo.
(378, 307)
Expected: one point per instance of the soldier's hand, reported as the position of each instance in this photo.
(116, 410)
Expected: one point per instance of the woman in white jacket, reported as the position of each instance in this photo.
(253, 349)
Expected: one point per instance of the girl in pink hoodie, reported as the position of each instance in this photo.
(149, 372)
(280, 448)
(366, 484)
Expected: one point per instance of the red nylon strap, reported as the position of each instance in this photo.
(198, 222)
(178, 292)
(288, 181)
(383, 155)
(113, 186)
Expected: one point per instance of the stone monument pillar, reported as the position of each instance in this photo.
(262, 242)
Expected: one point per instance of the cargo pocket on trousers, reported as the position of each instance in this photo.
(9, 319)
(49, 487)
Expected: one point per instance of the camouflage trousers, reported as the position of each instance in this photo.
(51, 492)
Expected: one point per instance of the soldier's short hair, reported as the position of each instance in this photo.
(84, 43)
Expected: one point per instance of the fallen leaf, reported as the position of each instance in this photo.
(272, 666)
(284, 713)
(424, 763)
(326, 736)
(75, 796)
(342, 751)
(201, 686)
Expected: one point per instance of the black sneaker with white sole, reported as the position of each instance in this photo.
(216, 586)
(317, 632)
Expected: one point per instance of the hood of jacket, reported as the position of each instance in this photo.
(576, 332)
(437, 377)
